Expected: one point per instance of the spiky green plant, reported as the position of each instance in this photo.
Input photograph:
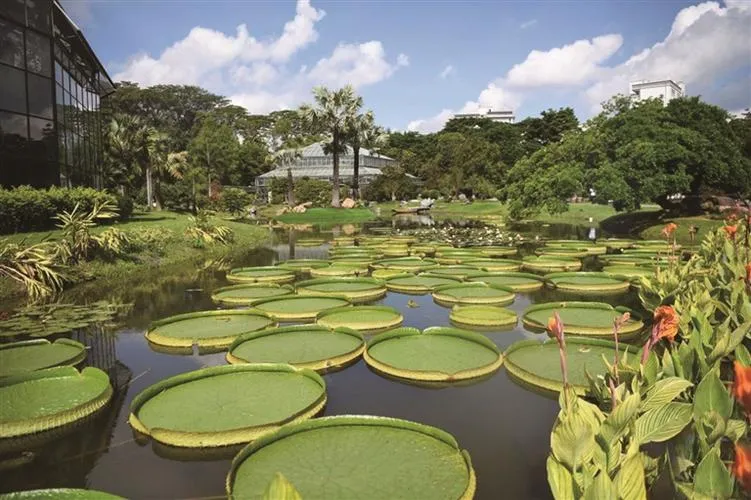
(201, 231)
(76, 228)
(36, 267)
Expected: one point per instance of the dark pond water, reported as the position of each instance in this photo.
(505, 428)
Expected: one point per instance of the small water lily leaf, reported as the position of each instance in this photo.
(665, 391)
(629, 482)
(281, 489)
(662, 423)
(712, 478)
(560, 480)
(711, 395)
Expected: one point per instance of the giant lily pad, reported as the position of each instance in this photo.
(407, 264)
(261, 274)
(369, 319)
(353, 289)
(226, 405)
(473, 293)
(299, 307)
(46, 399)
(438, 354)
(537, 364)
(549, 264)
(302, 265)
(481, 316)
(617, 244)
(340, 269)
(347, 457)
(631, 272)
(498, 251)
(390, 250)
(249, 293)
(420, 284)
(59, 494)
(303, 346)
(592, 319)
(310, 242)
(31, 355)
(626, 260)
(517, 282)
(588, 282)
(458, 271)
(456, 256)
(384, 274)
(42, 320)
(206, 328)
(569, 252)
(494, 265)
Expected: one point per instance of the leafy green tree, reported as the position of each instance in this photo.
(363, 132)
(331, 113)
(214, 150)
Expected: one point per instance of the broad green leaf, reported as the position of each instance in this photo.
(713, 426)
(602, 488)
(686, 357)
(735, 429)
(712, 478)
(742, 355)
(560, 480)
(662, 423)
(572, 441)
(728, 342)
(620, 418)
(668, 368)
(281, 489)
(665, 391)
(687, 491)
(629, 482)
(711, 395)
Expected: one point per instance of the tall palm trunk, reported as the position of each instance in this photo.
(335, 179)
(356, 172)
(149, 187)
(208, 168)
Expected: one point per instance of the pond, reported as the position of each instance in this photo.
(504, 427)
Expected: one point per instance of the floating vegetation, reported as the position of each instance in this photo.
(353, 289)
(261, 274)
(617, 244)
(302, 265)
(631, 272)
(42, 320)
(384, 274)
(517, 282)
(407, 264)
(437, 354)
(299, 307)
(59, 494)
(549, 264)
(537, 364)
(459, 271)
(420, 284)
(183, 410)
(310, 242)
(498, 251)
(340, 269)
(481, 316)
(626, 260)
(48, 399)
(588, 282)
(394, 250)
(470, 235)
(249, 293)
(473, 293)
(209, 329)
(304, 346)
(38, 354)
(422, 249)
(574, 253)
(592, 319)
(360, 457)
(368, 319)
(494, 265)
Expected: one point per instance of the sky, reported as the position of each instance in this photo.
(416, 62)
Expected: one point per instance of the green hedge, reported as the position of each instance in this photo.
(29, 209)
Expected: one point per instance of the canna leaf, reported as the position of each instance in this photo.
(560, 480)
(711, 395)
(665, 391)
(662, 423)
(712, 478)
(728, 342)
(629, 482)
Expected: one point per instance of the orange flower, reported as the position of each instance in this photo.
(748, 273)
(730, 231)
(669, 229)
(742, 386)
(665, 323)
(555, 327)
(742, 465)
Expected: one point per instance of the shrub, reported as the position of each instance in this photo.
(234, 200)
(431, 193)
(28, 209)
(313, 190)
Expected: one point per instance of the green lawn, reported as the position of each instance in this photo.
(328, 216)
(579, 213)
(704, 224)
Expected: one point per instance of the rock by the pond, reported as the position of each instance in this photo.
(462, 198)
(302, 208)
(348, 203)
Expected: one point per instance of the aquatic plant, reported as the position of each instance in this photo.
(42, 320)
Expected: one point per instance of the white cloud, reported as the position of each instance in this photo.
(357, 65)
(259, 73)
(447, 71)
(298, 32)
(402, 60)
(433, 124)
(528, 24)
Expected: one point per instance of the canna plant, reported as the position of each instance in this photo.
(36, 267)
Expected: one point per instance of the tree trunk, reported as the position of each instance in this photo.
(356, 172)
(335, 179)
(208, 168)
(158, 200)
(290, 189)
(149, 187)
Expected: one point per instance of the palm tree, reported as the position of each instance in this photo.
(332, 112)
(285, 158)
(362, 132)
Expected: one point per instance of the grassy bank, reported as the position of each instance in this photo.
(173, 252)
(326, 216)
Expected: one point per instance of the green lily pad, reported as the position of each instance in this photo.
(631, 272)
(573, 253)
(302, 265)
(248, 294)
(473, 293)
(458, 271)
(47, 399)
(498, 251)
(548, 264)
(517, 282)
(261, 274)
(626, 260)
(361, 318)
(438, 354)
(537, 364)
(310, 242)
(408, 264)
(348, 457)
(384, 274)
(31, 355)
(206, 328)
(299, 307)
(420, 284)
(340, 269)
(617, 244)
(226, 405)
(494, 265)
(59, 494)
(394, 250)
(589, 282)
(481, 316)
(353, 289)
(304, 346)
(592, 319)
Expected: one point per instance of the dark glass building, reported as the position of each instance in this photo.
(51, 83)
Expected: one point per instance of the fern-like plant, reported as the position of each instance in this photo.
(76, 227)
(36, 267)
(201, 231)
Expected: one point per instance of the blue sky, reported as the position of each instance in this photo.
(416, 62)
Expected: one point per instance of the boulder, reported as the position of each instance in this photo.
(348, 203)
(302, 208)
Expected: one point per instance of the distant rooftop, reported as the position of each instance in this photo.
(315, 150)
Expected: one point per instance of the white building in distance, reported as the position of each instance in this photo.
(666, 90)
(496, 116)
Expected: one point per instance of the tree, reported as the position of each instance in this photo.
(285, 158)
(363, 132)
(214, 149)
(332, 112)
